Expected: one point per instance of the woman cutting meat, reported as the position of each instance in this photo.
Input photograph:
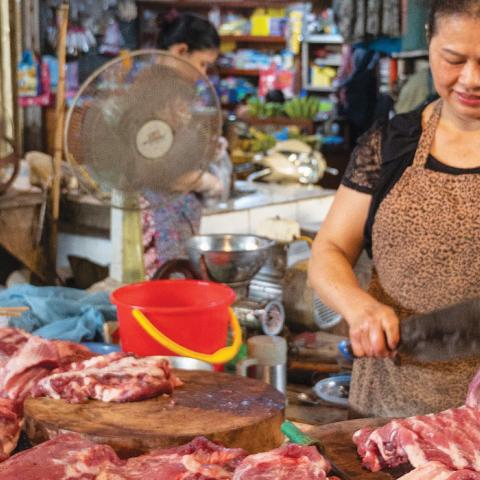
(167, 227)
(411, 197)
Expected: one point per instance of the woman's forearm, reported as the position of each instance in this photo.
(332, 277)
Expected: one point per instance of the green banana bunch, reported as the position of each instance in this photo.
(260, 109)
(305, 107)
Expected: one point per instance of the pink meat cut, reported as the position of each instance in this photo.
(66, 457)
(438, 471)
(451, 437)
(117, 377)
(198, 460)
(291, 462)
(24, 360)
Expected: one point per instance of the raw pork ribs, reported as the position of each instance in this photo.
(451, 437)
(117, 377)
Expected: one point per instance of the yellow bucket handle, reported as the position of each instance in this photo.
(223, 355)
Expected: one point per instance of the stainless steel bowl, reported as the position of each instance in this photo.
(228, 258)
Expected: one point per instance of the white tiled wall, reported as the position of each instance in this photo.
(245, 221)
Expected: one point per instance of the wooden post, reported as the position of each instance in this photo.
(59, 119)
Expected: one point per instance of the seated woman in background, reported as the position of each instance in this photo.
(172, 221)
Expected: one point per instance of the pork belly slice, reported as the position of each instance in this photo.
(438, 471)
(117, 377)
(451, 437)
(290, 462)
(66, 457)
(199, 459)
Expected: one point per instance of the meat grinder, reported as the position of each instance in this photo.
(234, 260)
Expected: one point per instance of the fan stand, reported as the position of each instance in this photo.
(127, 265)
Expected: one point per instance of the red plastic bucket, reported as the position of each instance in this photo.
(192, 313)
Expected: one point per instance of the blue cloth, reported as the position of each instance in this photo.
(59, 312)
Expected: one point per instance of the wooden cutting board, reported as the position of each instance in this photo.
(340, 449)
(233, 411)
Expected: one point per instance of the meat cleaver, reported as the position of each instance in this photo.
(449, 333)
(295, 435)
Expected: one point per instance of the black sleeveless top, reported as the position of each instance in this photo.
(381, 156)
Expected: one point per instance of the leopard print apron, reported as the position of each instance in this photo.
(426, 239)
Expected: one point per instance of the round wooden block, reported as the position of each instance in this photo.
(230, 410)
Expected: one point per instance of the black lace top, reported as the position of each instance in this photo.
(382, 155)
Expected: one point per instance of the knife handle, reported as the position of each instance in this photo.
(295, 435)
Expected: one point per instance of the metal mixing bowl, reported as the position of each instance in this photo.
(228, 258)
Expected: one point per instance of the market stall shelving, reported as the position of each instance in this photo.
(254, 39)
(247, 4)
(328, 40)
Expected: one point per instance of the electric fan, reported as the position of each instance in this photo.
(146, 122)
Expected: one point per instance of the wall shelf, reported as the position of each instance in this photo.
(312, 88)
(240, 72)
(247, 4)
(411, 54)
(324, 38)
(253, 39)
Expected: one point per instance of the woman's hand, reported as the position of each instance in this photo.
(374, 330)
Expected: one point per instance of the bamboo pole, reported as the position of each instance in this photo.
(58, 140)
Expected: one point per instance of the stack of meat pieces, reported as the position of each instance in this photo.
(118, 377)
(31, 365)
(24, 360)
(442, 446)
(70, 457)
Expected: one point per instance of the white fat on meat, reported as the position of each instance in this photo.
(209, 471)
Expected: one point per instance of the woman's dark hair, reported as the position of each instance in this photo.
(444, 8)
(196, 31)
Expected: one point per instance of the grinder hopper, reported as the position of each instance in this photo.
(228, 258)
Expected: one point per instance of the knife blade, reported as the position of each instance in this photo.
(295, 435)
(448, 333)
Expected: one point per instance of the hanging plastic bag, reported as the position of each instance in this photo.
(112, 41)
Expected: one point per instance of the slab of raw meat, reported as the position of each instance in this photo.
(291, 462)
(451, 437)
(66, 457)
(438, 471)
(117, 377)
(198, 460)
